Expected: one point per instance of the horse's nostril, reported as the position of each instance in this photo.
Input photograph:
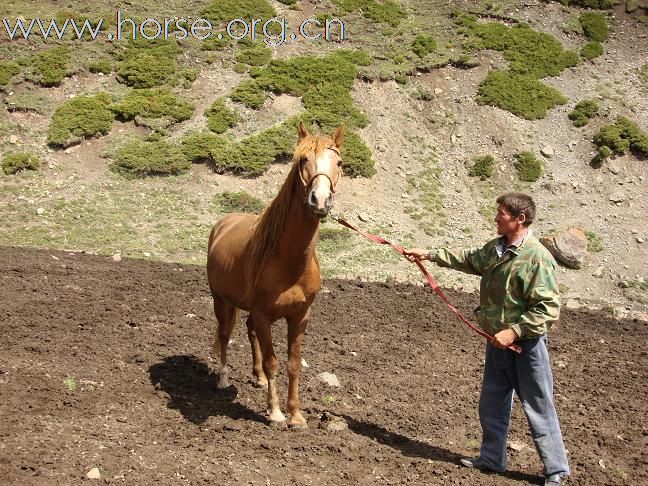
(329, 200)
(313, 199)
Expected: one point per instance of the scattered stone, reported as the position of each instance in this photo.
(116, 257)
(438, 91)
(598, 273)
(147, 254)
(332, 422)
(572, 304)
(233, 427)
(561, 364)
(615, 169)
(93, 473)
(516, 446)
(13, 139)
(329, 378)
(190, 316)
(363, 217)
(40, 211)
(639, 239)
(304, 363)
(568, 247)
(617, 198)
(453, 139)
(601, 463)
(548, 151)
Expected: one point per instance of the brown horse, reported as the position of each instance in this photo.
(267, 265)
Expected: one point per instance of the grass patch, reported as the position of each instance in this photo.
(78, 118)
(594, 25)
(203, 147)
(330, 105)
(583, 111)
(50, 67)
(423, 44)
(591, 50)
(226, 10)
(636, 290)
(70, 383)
(238, 202)
(145, 105)
(256, 55)
(594, 242)
(147, 64)
(142, 158)
(428, 200)
(482, 167)
(219, 117)
(643, 77)
(250, 93)
(8, 69)
(103, 66)
(522, 95)
(528, 166)
(387, 11)
(19, 161)
(28, 100)
(620, 137)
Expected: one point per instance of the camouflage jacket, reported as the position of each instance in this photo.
(518, 290)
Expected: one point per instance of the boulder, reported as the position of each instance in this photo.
(568, 247)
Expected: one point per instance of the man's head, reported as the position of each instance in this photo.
(515, 212)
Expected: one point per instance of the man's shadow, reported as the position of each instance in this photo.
(415, 448)
(191, 387)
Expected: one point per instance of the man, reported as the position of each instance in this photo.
(518, 303)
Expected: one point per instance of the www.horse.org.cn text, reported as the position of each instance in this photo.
(273, 32)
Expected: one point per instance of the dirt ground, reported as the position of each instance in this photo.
(106, 364)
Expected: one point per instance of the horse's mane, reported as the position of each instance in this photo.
(267, 231)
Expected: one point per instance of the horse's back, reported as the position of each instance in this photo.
(227, 255)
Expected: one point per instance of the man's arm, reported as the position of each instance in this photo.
(543, 299)
(467, 261)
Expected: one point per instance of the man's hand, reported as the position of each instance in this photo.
(504, 339)
(416, 253)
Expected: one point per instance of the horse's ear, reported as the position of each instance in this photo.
(338, 136)
(302, 130)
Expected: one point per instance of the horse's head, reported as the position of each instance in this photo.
(320, 168)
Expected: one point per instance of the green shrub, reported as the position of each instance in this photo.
(423, 45)
(482, 167)
(239, 202)
(595, 4)
(257, 55)
(521, 95)
(213, 43)
(591, 50)
(104, 66)
(250, 94)
(220, 117)
(621, 136)
(156, 103)
(583, 111)
(356, 157)
(288, 2)
(28, 100)
(203, 147)
(50, 66)
(528, 166)
(139, 159)
(19, 161)
(386, 11)
(80, 117)
(146, 64)
(594, 242)
(594, 26)
(226, 10)
(8, 69)
(330, 105)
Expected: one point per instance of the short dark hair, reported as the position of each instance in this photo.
(518, 203)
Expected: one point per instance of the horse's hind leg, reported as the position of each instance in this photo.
(260, 379)
(296, 329)
(227, 315)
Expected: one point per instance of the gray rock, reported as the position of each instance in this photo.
(93, 473)
(116, 257)
(329, 378)
(332, 422)
(548, 151)
(568, 247)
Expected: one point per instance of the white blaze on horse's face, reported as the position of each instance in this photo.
(323, 181)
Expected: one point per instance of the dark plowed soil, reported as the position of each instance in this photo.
(106, 365)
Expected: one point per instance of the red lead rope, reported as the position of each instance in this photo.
(433, 283)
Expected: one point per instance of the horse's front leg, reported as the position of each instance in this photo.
(263, 330)
(296, 329)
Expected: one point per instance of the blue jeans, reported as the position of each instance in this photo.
(529, 375)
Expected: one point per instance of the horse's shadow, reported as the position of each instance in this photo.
(415, 448)
(191, 387)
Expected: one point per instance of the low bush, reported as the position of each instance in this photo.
(591, 50)
(78, 118)
(482, 167)
(8, 69)
(19, 161)
(226, 10)
(594, 26)
(356, 157)
(103, 66)
(387, 11)
(140, 158)
(50, 66)
(147, 64)
(203, 147)
(528, 166)
(155, 103)
(423, 44)
(622, 136)
(238, 202)
(250, 94)
(257, 55)
(521, 95)
(219, 117)
(583, 111)
(330, 105)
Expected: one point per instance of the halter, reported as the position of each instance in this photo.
(310, 181)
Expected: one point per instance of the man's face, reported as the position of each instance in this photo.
(507, 223)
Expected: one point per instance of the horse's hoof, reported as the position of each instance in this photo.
(277, 425)
(260, 384)
(298, 426)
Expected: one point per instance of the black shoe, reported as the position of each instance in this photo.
(478, 463)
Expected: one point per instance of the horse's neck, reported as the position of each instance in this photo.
(299, 237)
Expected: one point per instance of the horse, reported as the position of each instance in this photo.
(268, 266)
